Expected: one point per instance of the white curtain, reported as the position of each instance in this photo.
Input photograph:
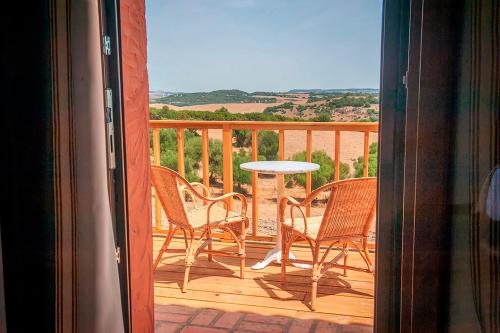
(99, 302)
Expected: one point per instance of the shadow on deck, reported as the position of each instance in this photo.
(219, 301)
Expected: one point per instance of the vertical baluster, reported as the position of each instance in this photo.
(365, 154)
(281, 145)
(336, 175)
(255, 186)
(156, 161)
(280, 178)
(308, 174)
(180, 151)
(204, 156)
(204, 160)
(227, 162)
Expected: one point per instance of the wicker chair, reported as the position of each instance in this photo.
(172, 190)
(348, 217)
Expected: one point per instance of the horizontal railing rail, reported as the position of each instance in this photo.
(227, 149)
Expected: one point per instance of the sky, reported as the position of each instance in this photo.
(263, 45)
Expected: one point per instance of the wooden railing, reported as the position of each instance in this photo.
(227, 148)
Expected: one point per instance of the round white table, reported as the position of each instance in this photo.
(278, 168)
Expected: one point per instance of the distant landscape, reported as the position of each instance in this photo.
(318, 105)
(297, 104)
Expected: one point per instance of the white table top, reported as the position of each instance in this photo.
(279, 167)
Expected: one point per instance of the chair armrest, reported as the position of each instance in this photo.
(294, 204)
(307, 200)
(192, 191)
(212, 200)
(206, 191)
(223, 198)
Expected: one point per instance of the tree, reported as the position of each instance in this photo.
(268, 145)
(214, 159)
(169, 160)
(242, 138)
(372, 162)
(321, 177)
(240, 176)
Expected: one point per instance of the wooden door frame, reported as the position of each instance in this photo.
(394, 64)
(413, 245)
(400, 148)
(133, 214)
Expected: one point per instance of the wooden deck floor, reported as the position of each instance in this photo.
(219, 301)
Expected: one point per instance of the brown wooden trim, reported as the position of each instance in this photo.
(394, 59)
(132, 29)
(431, 85)
(64, 180)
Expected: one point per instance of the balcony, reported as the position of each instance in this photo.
(217, 300)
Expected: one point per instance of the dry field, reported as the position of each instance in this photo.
(235, 107)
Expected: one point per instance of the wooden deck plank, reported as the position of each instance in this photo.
(333, 304)
(254, 286)
(253, 257)
(345, 300)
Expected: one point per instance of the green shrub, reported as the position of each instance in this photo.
(373, 114)
(372, 162)
(169, 159)
(240, 176)
(214, 160)
(242, 138)
(321, 177)
(322, 117)
(279, 108)
(268, 145)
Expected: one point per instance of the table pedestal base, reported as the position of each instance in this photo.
(274, 255)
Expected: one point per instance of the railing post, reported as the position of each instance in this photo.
(156, 161)
(308, 174)
(336, 174)
(227, 162)
(281, 145)
(180, 151)
(366, 154)
(204, 156)
(255, 185)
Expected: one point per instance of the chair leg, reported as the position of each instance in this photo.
(284, 254)
(164, 247)
(209, 238)
(316, 268)
(314, 292)
(189, 262)
(346, 254)
(186, 278)
(242, 251)
(367, 254)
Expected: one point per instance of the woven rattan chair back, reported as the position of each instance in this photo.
(166, 185)
(350, 210)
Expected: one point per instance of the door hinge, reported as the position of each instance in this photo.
(106, 45)
(118, 254)
(405, 79)
(110, 129)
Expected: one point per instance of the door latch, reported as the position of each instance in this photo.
(118, 254)
(106, 45)
(110, 129)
